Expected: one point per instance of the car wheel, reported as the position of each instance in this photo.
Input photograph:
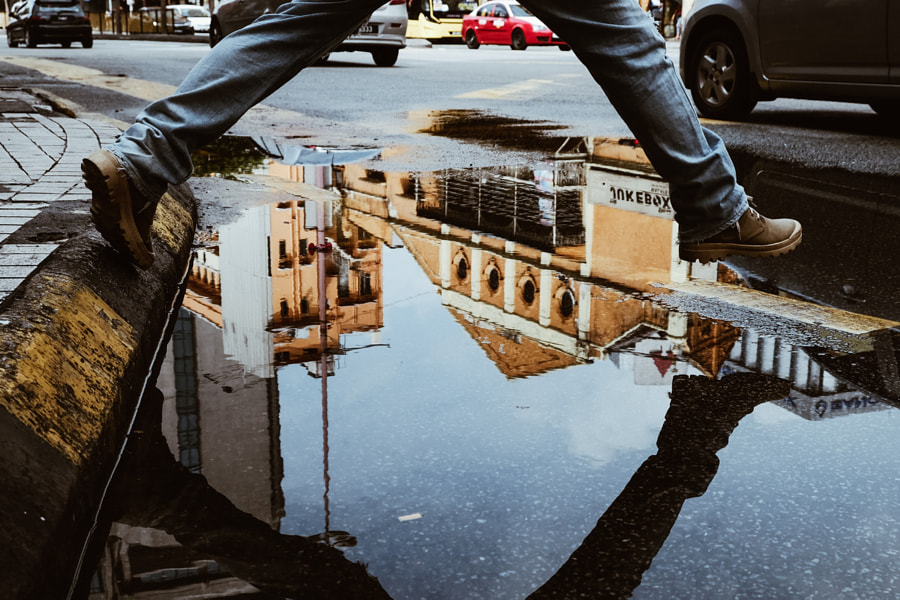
(722, 86)
(215, 34)
(87, 42)
(517, 40)
(472, 40)
(385, 57)
(11, 42)
(29, 40)
(66, 44)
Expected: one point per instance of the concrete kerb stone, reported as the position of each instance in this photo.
(77, 341)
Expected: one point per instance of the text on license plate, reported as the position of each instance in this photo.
(367, 28)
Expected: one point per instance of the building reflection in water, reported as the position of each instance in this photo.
(545, 267)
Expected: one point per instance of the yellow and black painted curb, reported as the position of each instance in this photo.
(77, 342)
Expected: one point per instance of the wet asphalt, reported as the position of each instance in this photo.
(78, 323)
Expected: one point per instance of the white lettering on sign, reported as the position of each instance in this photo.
(637, 192)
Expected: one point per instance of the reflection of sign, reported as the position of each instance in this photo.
(637, 192)
(833, 405)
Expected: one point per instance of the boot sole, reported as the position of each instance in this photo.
(111, 208)
(710, 252)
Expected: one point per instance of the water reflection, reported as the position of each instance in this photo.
(465, 370)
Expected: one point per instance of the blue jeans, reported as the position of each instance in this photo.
(614, 39)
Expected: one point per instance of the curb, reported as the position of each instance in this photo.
(79, 337)
(154, 37)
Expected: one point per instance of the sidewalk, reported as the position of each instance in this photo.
(40, 158)
(80, 331)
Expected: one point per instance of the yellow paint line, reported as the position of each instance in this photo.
(138, 88)
(60, 378)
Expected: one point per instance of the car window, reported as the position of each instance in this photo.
(501, 13)
(192, 12)
(485, 11)
(519, 11)
(58, 8)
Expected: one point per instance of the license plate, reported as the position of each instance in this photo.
(366, 29)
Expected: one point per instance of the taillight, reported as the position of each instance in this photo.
(397, 2)
(34, 18)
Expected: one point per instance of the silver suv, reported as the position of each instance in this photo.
(383, 35)
(735, 53)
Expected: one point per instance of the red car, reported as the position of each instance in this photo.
(507, 23)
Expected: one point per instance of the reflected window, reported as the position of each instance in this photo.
(528, 292)
(282, 249)
(462, 269)
(303, 244)
(567, 304)
(494, 280)
(304, 306)
(285, 311)
(365, 284)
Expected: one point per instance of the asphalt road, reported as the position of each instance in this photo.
(350, 101)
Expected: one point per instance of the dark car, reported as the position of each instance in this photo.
(735, 53)
(36, 22)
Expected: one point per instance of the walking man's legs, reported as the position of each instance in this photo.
(613, 38)
(624, 53)
(128, 178)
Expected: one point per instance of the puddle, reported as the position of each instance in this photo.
(485, 128)
(475, 383)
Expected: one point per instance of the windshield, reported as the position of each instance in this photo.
(519, 11)
(57, 8)
(194, 12)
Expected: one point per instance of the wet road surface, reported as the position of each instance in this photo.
(502, 383)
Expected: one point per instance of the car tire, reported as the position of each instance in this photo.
(720, 80)
(517, 40)
(472, 40)
(30, 42)
(87, 42)
(385, 57)
(11, 42)
(66, 44)
(215, 34)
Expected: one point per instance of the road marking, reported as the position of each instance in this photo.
(523, 90)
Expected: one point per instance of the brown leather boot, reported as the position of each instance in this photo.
(752, 235)
(119, 211)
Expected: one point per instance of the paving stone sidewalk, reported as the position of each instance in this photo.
(40, 163)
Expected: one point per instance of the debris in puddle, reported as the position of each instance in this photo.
(411, 517)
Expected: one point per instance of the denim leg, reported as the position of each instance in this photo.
(238, 73)
(624, 53)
